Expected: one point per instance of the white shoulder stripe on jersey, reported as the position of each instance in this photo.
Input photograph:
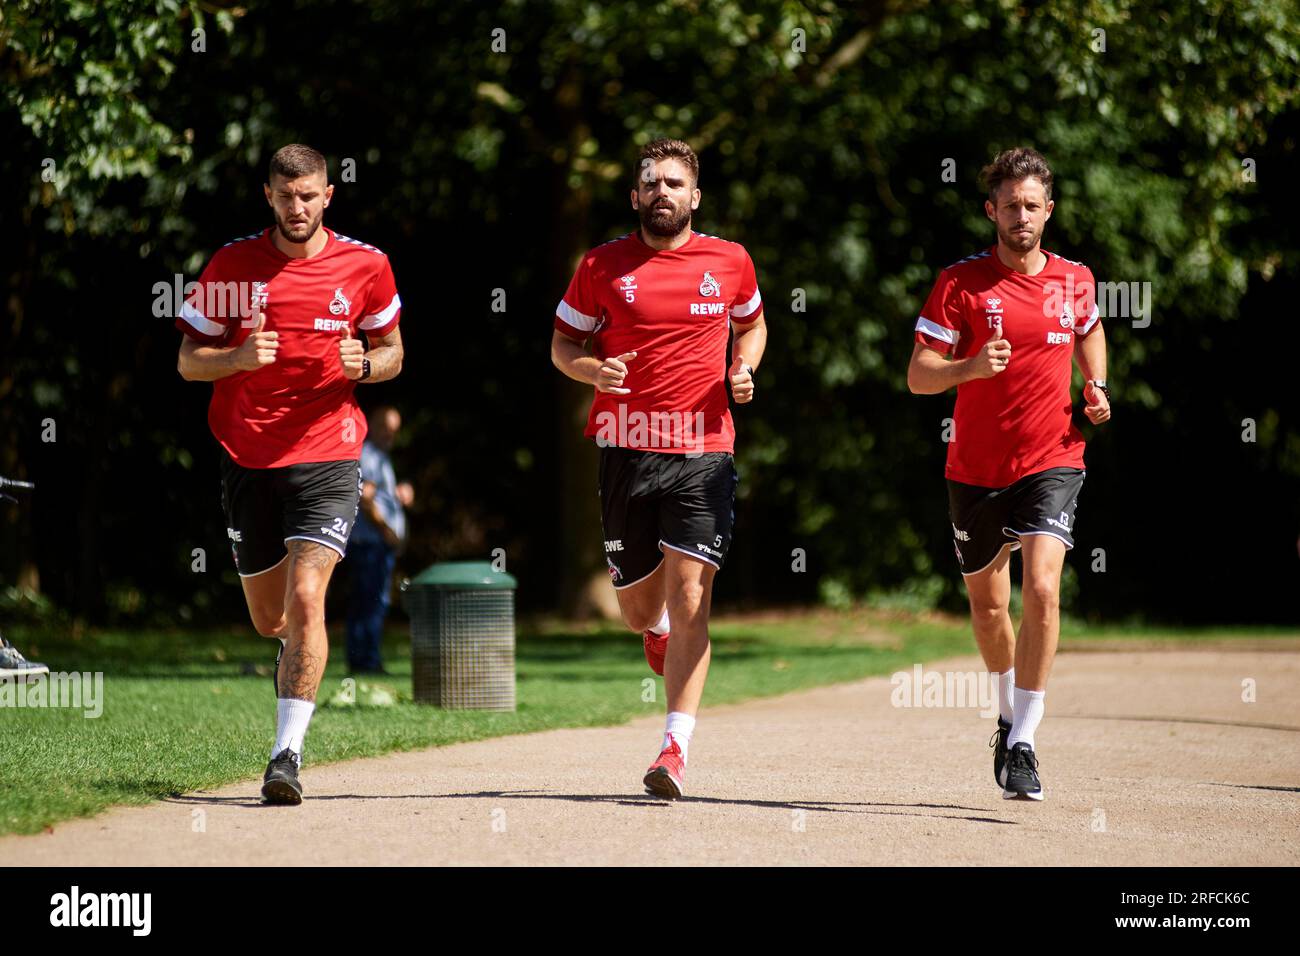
(936, 331)
(200, 322)
(580, 321)
(747, 308)
(1092, 320)
(380, 319)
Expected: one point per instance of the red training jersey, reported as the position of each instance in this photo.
(674, 309)
(1016, 423)
(300, 408)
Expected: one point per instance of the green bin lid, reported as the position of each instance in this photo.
(463, 576)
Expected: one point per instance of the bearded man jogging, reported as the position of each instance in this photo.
(1002, 326)
(658, 305)
(274, 324)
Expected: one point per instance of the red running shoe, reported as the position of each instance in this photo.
(666, 776)
(656, 646)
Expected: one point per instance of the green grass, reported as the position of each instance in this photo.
(188, 710)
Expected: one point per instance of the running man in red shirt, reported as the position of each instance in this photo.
(1003, 326)
(275, 324)
(658, 306)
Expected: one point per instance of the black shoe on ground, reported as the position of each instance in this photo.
(13, 664)
(280, 785)
(1022, 774)
(999, 744)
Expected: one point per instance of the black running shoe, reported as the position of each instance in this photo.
(13, 664)
(999, 744)
(280, 785)
(1022, 774)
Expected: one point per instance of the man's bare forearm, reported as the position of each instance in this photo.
(385, 358)
(930, 373)
(751, 343)
(385, 363)
(1090, 354)
(205, 363)
(572, 359)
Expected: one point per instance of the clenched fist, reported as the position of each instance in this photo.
(742, 381)
(994, 356)
(259, 348)
(352, 353)
(1096, 404)
(612, 372)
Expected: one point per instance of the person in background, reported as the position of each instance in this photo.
(379, 533)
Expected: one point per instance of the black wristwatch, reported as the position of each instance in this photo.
(365, 370)
(1100, 384)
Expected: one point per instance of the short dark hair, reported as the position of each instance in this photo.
(1015, 165)
(296, 160)
(658, 149)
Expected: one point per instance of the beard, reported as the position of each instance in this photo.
(299, 233)
(1020, 242)
(664, 222)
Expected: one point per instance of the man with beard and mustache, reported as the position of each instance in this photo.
(1003, 326)
(274, 324)
(659, 306)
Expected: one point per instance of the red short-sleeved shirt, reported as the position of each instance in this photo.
(300, 408)
(1016, 423)
(674, 309)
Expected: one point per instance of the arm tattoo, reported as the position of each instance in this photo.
(385, 357)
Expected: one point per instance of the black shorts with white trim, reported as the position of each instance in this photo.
(268, 507)
(651, 501)
(984, 520)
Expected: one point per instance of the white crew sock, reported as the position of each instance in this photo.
(662, 626)
(1006, 699)
(1029, 711)
(680, 727)
(291, 719)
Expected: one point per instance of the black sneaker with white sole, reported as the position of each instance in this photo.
(999, 744)
(13, 664)
(1022, 774)
(280, 785)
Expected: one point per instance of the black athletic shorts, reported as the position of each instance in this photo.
(268, 507)
(985, 519)
(653, 500)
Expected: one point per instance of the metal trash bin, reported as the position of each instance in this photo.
(462, 636)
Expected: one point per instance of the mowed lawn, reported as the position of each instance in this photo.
(188, 710)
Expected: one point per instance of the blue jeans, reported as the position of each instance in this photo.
(370, 570)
